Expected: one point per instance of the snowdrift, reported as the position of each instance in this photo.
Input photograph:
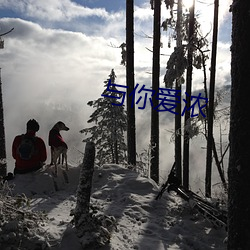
(141, 221)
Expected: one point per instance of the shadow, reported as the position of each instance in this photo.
(167, 223)
(179, 227)
(154, 222)
(124, 191)
(115, 186)
(39, 188)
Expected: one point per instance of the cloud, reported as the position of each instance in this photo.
(205, 14)
(56, 10)
(51, 75)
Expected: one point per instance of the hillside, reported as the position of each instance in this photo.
(141, 221)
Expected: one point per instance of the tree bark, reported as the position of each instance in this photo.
(83, 193)
(239, 159)
(154, 169)
(93, 229)
(178, 158)
(188, 97)
(131, 130)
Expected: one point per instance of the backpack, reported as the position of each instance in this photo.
(26, 148)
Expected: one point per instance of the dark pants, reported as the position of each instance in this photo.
(25, 171)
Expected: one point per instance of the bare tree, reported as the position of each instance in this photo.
(131, 131)
(93, 230)
(3, 161)
(84, 186)
(188, 98)
(178, 157)
(210, 139)
(154, 168)
(239, 159)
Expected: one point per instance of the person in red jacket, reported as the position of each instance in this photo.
(29, 150)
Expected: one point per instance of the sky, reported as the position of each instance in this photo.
(60, 52)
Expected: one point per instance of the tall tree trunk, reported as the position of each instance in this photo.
(131, 131)
(239, 159)
(211, 102)
(178, 106)
(188, 97)
(3, 162)
(154, 169)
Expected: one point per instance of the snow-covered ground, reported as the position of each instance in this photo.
(141, 221)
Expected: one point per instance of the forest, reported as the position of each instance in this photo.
(216, 114)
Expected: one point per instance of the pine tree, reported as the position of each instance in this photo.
(110, 124)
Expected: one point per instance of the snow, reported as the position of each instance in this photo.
(141, 221)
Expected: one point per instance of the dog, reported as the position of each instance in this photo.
(58, 146)
(57, 152)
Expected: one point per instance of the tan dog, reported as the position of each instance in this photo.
(57, 145)
(57, 152)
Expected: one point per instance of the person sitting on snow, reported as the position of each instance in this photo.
(29, 150)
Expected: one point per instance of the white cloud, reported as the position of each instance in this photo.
(53, 10)
(143, 13)
(46, 69)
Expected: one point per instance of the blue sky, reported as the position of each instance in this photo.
(61, 51)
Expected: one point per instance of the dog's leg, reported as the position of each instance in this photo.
(51, 156)
(55, 158)
(56, 170)
(59, 159)
(66, 161)
(63, 157)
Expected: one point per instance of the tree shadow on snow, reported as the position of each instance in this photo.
(177, 227)
(39, 187)
(167, 223)
(124, 191)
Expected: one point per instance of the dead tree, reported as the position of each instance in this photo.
(94, 231)
(178, 156)
(3, 162)
(84, 186)
(211, 103)
(189, 92)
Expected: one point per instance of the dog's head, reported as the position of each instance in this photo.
(61, 126)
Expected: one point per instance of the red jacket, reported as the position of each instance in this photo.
(55, 139)
(37, 159)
